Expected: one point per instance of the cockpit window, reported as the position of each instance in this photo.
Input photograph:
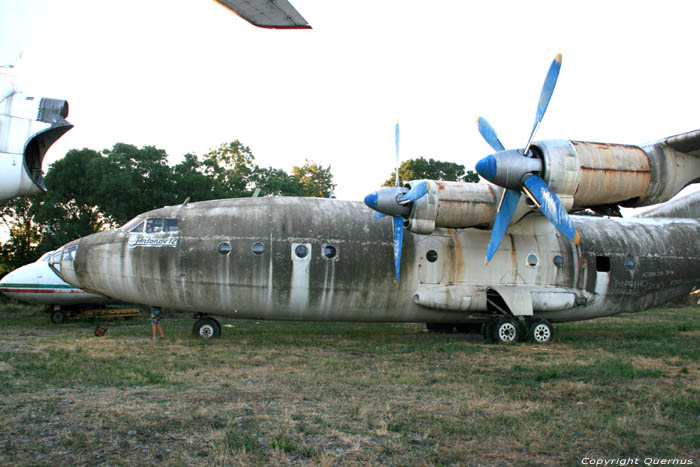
(154, 225)
(132, 225)
(45, 257)
(138, 228)
(171, 225)
(69, 253)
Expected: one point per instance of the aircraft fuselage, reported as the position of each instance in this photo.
(329, 260)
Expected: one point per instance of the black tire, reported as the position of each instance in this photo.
(58, 317)
(444, 328)
(206, 328)
(469, 328)
(540, 331)
(505, 329)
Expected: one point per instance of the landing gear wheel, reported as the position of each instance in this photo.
(444, 328)
(206, 328)
(540, 331)
(505, 329)
(58, 316)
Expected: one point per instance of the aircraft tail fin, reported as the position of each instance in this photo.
(686, 207)
(688, 143)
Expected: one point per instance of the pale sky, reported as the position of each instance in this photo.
(188, 75)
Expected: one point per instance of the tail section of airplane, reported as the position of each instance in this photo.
(686, 207)
(28, 128)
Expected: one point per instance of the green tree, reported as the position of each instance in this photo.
(190, 181)
(277, 182)
(68, 210)
(232, 166)
(20, 248)
(431, 169)
(317, 181)
(128, 181)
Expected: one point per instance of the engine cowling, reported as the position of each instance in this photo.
(584, 174)
(454, 205)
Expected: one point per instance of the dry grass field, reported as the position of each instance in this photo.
(274, 393)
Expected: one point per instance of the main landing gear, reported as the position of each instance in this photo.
(206, 327)
(501, 329)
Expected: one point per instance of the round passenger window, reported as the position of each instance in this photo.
(328, 251)
(431, 256)
(258, 248)
(532, 259)
(301, 251)
(224, 248)
(558, 261)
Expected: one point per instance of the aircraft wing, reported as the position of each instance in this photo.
(271, 14)
(688, 143)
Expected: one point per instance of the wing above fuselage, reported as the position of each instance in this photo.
(277, 14)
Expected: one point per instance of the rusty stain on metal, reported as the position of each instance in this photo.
(458, 260)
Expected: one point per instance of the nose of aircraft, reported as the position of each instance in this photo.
(63, 263)
(6, 281)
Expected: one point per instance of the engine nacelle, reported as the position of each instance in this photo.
(28, 127)
(454, 205)
(595, 174)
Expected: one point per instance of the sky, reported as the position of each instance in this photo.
(189, 75)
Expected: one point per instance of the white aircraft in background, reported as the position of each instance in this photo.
(36, 283)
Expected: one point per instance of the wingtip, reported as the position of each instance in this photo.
(558, 58)
(486, 262)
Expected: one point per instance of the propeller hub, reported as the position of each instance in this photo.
(386, 201)
(508, 169)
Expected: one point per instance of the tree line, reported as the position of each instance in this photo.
(90, 191)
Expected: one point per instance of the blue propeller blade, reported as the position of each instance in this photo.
(551, 207)
(500, 225)
(547, 90)
(415, 193)
(396, 137)
(398, 244)
(489, 134)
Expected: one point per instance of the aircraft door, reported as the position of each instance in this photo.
(431, 259)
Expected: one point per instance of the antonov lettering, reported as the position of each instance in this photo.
(149, 241)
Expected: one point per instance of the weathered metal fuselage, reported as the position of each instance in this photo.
(319, 259)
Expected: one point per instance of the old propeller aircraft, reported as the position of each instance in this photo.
(36, 283)
(28, 127)
(330, 260)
